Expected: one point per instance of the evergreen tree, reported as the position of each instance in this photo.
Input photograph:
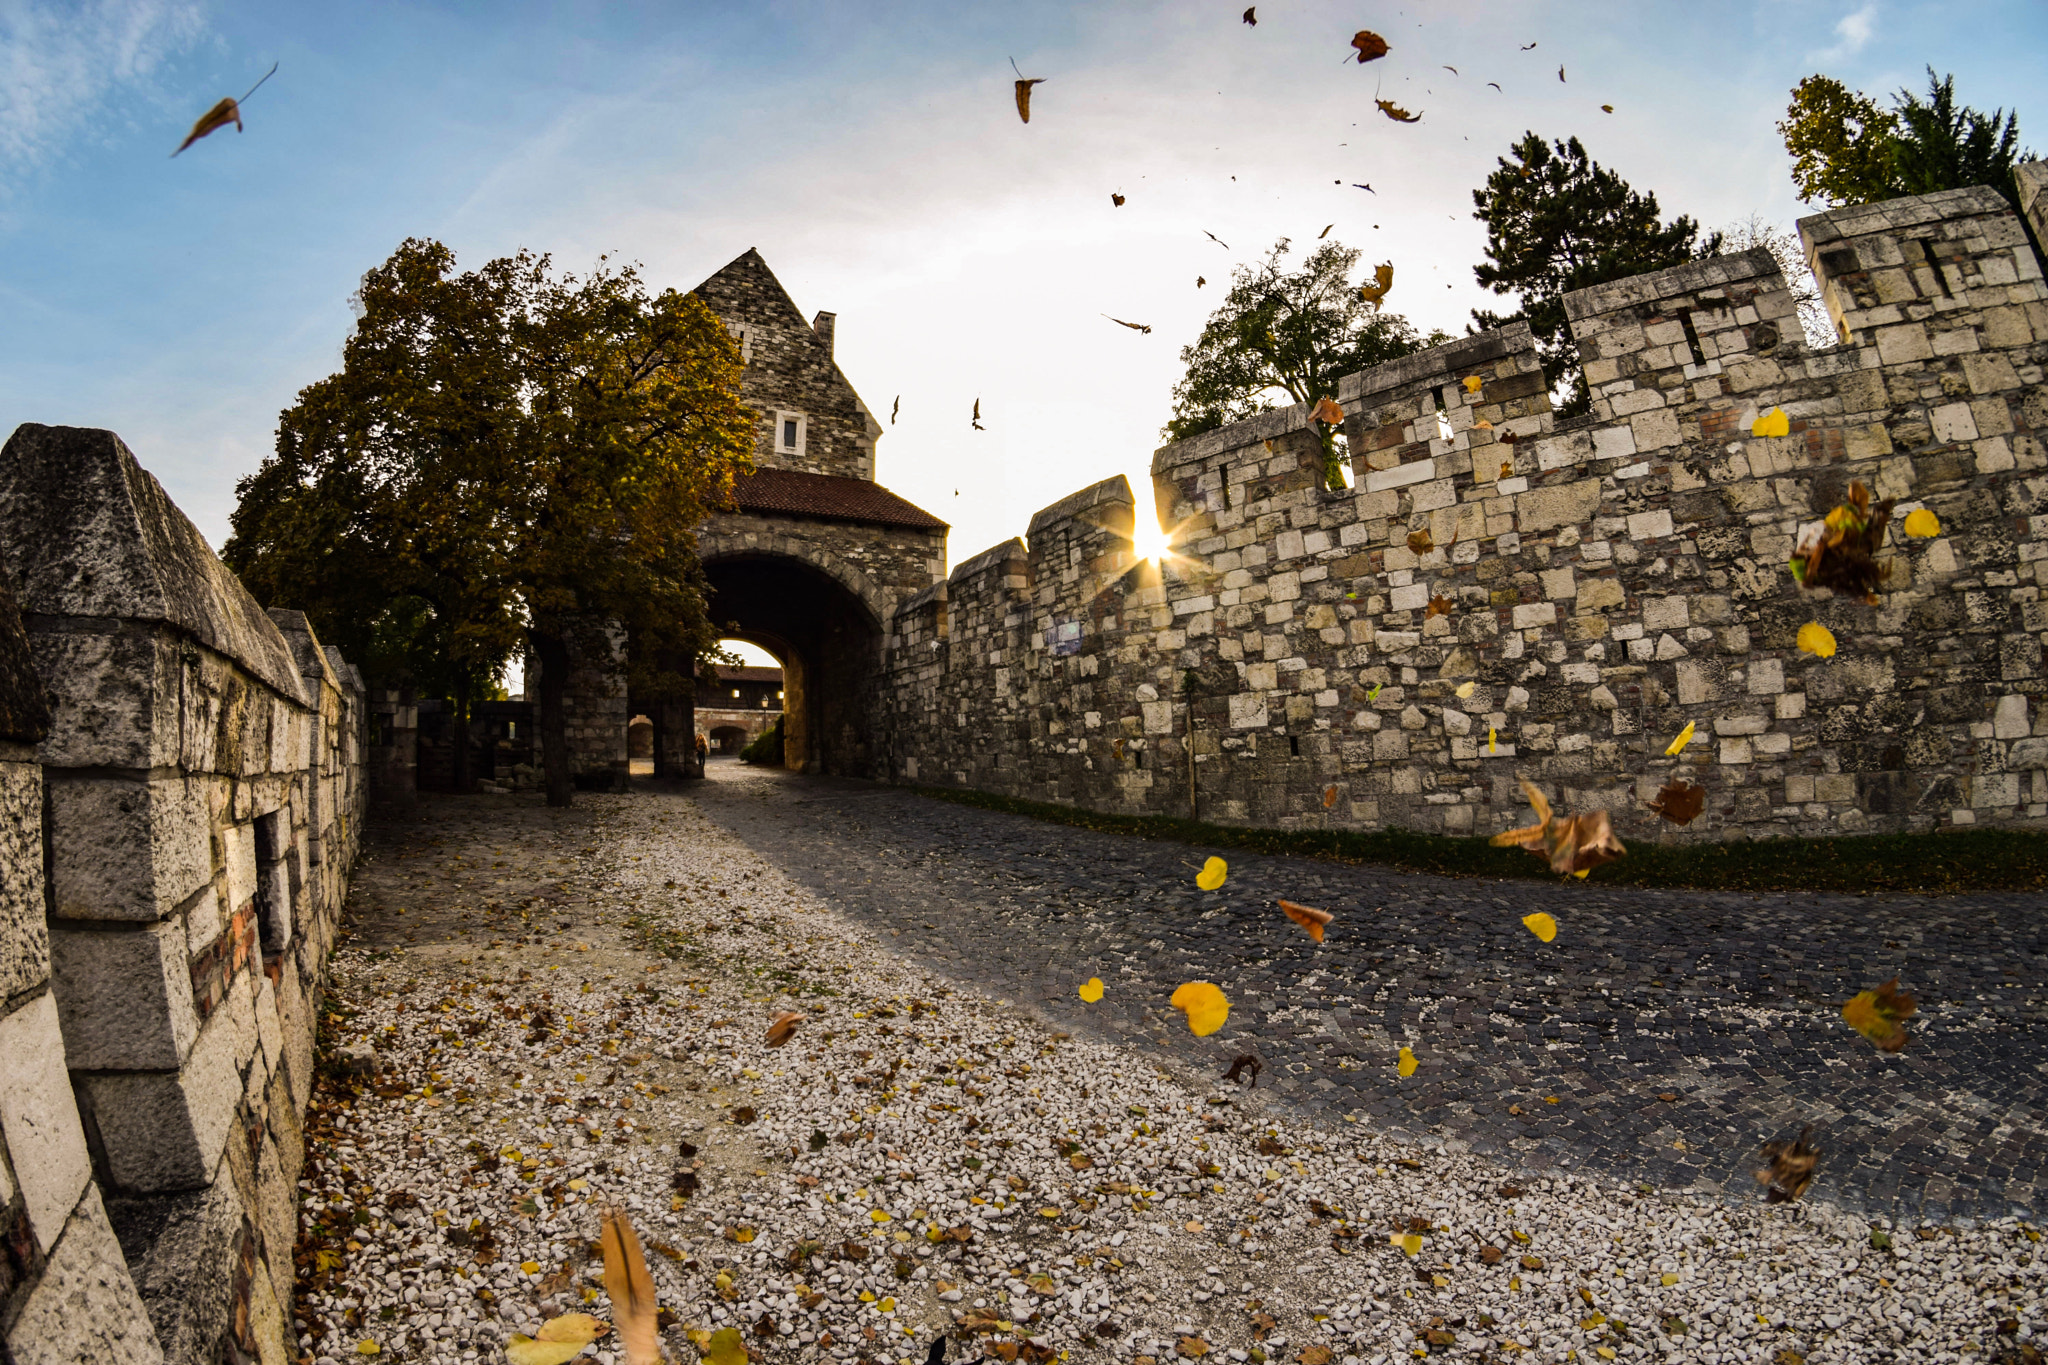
(1558, 221)
(1847, 149)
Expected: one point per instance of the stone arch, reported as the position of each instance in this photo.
(767, 544)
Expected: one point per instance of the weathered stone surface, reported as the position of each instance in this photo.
(84, 1310)
(24, 712)
(24, 931)
(38, 1119)
(124, 996)
(166, 1130)
(127, 848)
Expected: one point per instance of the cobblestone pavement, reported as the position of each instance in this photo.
(1661, 1037)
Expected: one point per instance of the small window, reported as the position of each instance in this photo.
(735, 691)
(789, 433)
(778, 696)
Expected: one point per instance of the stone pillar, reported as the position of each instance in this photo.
(393, 746)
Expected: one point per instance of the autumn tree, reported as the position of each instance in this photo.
(1280, 331)
(1558, 221)
(1755, 232)
(507, 458)
(1846, 148)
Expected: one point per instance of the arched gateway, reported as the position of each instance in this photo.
(811, 565)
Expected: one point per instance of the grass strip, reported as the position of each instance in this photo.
(1947, 863)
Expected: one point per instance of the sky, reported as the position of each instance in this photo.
(873, 153)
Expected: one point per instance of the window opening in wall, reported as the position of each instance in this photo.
(789, 433)
(1443, 416)
(1692, 336)
(1294, 746)
(1340, 466)
(271, 884)
(1927, 252)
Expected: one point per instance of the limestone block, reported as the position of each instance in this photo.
(1664, 613)
(39, 1119)
(124, 996)
(115, 691)
(1248, 711)
(2009, 718)
(1655, 430)
(126, 848)
(1542, 509)
(1649, 525)
(85, 1309)
(1158, 717)
(1530, 615)
(1598, 593)
(166, 1130)
(24, 937)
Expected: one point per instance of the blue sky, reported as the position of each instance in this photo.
(873, 154)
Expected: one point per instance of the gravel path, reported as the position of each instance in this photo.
(1727, 1003)
(543, 1011)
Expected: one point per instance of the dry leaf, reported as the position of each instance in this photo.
(1473, 383)
(1251, 16)
(1791, 1168)
(1116, 201)
(1677, 746)
(1212, 874)
(1328, 412)
(1560, 73)
(1420, 541)
(1245, 1063)
(1680, 802)
(1878, 1015)
(561, 1339)
(1606, 108)
(1191, 1348)
(1482, 425)
(1406, 1065)
(1507, 467)
(1371, 47)
(213, 120)
(1541, 925)
(1309, 919)
(1024, 97)
(1839, 551)
(1817, 639)
(631, 1289)
(977, 416)
(1438, 606)
(1316, 1355)
(783, 1027)
(1922, 523)
(1576, 844)
(1325, 232)
(1134, 326)
(1466, 689)
(1329, 798)
(1204, 1005)
(1772, 423)
(723, 1347)
(1200, 281)
(1382, 280)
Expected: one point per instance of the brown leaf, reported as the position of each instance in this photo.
(1396, 112)
(1116, 201)
(1134, 326)
(631, 1289)
(1879, 1015)
(1668, 1096)
(1438, 606)
(1243, 1064)
(1575, 844)
(1329, 798)
(1309, 919)
(1791, 1167)
(783, 1027)
(1251, 16)
(744, 1114)
(1316, 1355)
(1490, 1255)
(1192, 1348)
(1024, 97)
(1680, 802)
(212, 121)
(1328, 412)
(1371, 47)
(1838, 552)
(1421, 542)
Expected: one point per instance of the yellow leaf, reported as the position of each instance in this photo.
(1212, 874)
(1204, 1004)
(1669, 1279)
(1817, 639)
(561, 1339)
(877, 1216)
(1024, 96)
(743, 1234)
(1492, 741)
(1465, 690)
(887, 1305)
(1048, 1213)
(1091, 989)
(370, 1348)
(530, 1267)
(1382, 280)
(1541, 925)
(1406, 1066)
(867, 1296)
(1677, 746)
(726, 1348)
(1472, 383)
(1412, 1243)
(1772, 423)
(1922, 523)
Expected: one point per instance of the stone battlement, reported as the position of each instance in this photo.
(1599, 582)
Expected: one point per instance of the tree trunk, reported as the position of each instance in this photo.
(551, 652)
(458, 733)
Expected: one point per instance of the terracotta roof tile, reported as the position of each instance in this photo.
(792, 493)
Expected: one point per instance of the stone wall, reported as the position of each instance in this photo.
(175, 849)
(1599, 582)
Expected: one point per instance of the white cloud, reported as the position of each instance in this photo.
(59, 61)
(1853, 33)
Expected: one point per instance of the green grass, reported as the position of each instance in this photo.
(1928, 864)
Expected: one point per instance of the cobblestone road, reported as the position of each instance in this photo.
(1545, 1054)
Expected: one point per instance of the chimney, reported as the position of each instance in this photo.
(822, 325)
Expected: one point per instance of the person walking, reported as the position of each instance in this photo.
(703, 748)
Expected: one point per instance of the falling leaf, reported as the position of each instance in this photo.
(1508, 438)
(561, 1339)
(1507, 468)
(1482, 425)
(1839, 551)
(1878, 1015)
(1560, 73)
(1309, 919)
(977, 416)
(1473, 383)
(1406, 1066)
(1245, 1063)
(1677, 746)
(1575, 844)
(1396, 112)
(1791, 1168)
(1680, 802)
(1371, 47)
(1328, 412)
(1024, 91)
(1325, 232)
(1373, 694)
(222, 114)
(1606, 108)
(1329, 798)
(1199, 281)
(631, 1289)
(1438, 606)
(1492, 740)
(1251, 16)
(1382, 281)
(1212, 874)
(1369, 190)
(1091, 989)
(1466, 689)
(1772, 423)
(724, 1347)
(1529, 48)
(1817, 639)
(1204, 1005)
(1922, 523)
(1541, 925)
(1134, 326)
(1214, 238)
(895, 408)
(1496, 85)
(1452, 69)
(1420, 541)
(783, 1027)
(1116, 201)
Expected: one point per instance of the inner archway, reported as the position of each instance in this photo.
(829, 642)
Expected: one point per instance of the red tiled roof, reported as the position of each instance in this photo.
(793, 493)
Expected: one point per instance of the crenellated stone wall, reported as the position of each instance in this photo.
(175, 845)
(1597, 583)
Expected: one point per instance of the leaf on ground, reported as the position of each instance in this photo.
(1677, 746)
(1408, 1242)
(724, 1347)
(1421, 542)
(1316, 1355)
(783, 1027)
(1204, 1004)
(1922, 523)
(1375, 293)
(1191, 1348)
(744, 1114)
(1328, 411)
(1091, 989)
(1879, 1015)
(1406, 1066)
(818, 1140)
(1541, 925)
(1772, 423)
(1791, 1167)
(1369, 45)
(1575, 844)
(1244, 1064)
(1680, 802)
(1816, 639)
(1212, 874)
(561, 1339)
(1490, 1255)
(1310, 919)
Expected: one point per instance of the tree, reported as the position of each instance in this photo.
(1295, 332)
(1753, 232)
(1558, 221)
(1846, 149)
(505, 458)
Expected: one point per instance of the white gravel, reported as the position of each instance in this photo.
(1183, 1235)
